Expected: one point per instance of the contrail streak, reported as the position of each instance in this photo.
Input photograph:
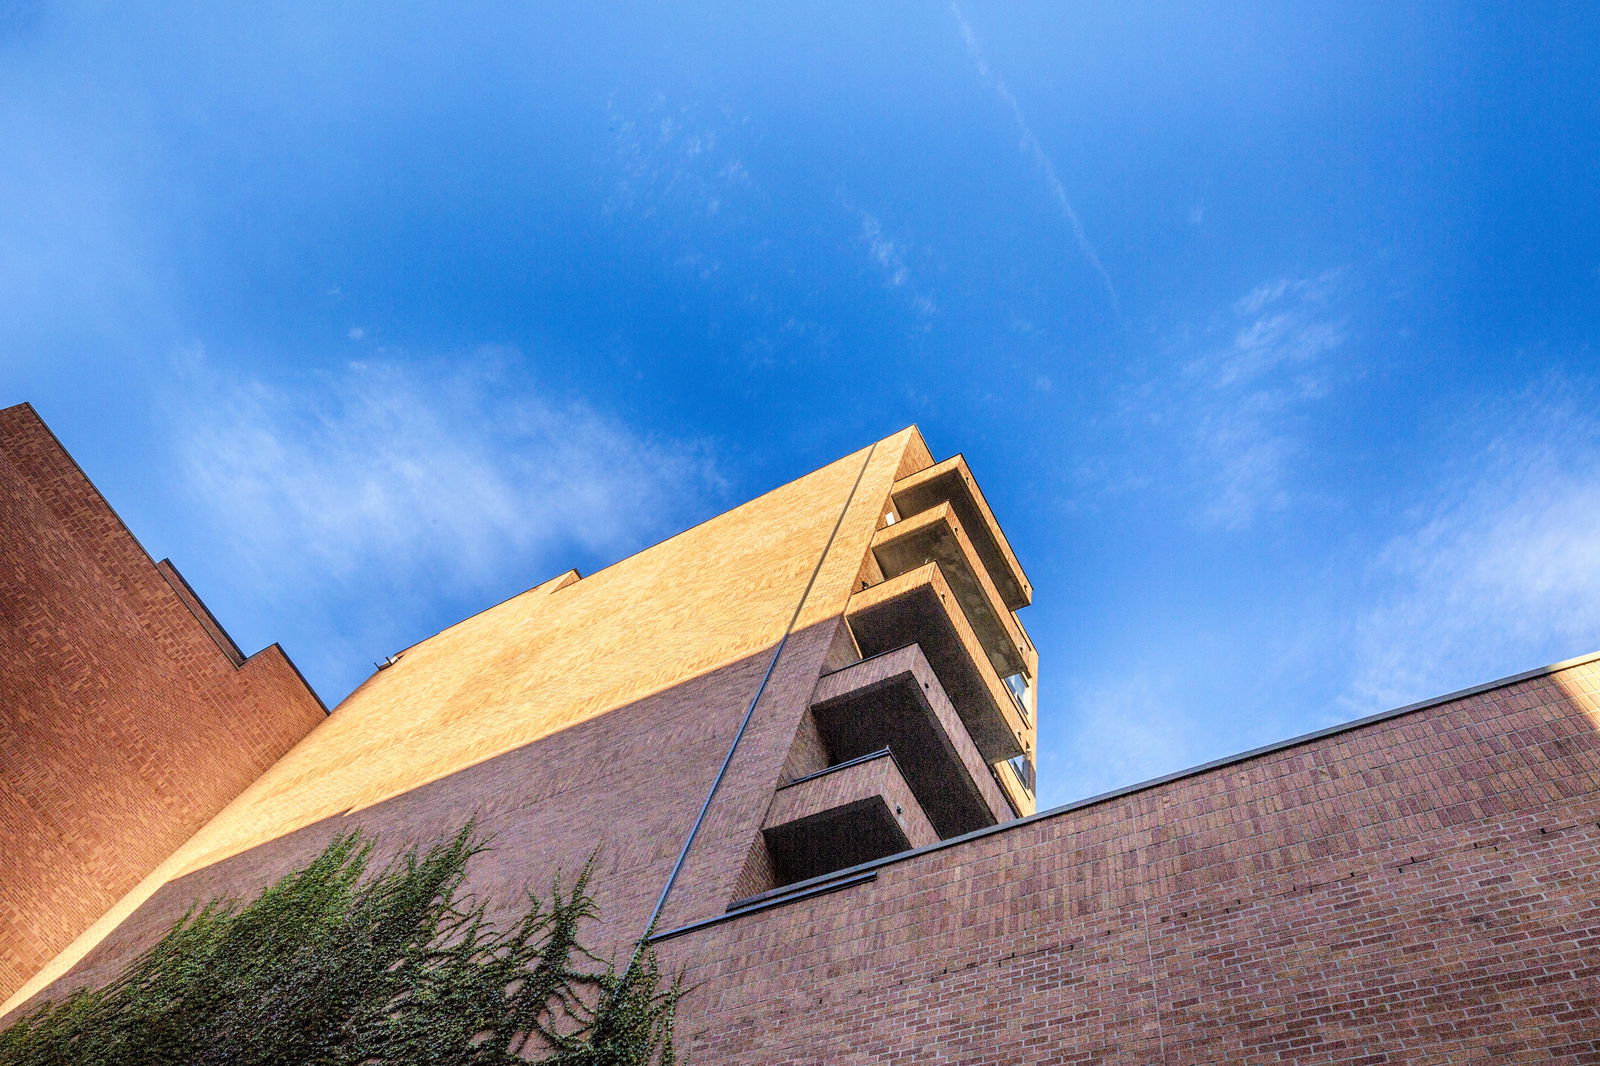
(1030, 146)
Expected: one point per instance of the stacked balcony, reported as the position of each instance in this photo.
(951, 482)
(850, 813)
(930, 735)
(896, 701)
(919, 607)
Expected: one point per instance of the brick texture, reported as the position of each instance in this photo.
(124, 723)
(1421, 890)
(878, 777)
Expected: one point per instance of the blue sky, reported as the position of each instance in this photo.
(1269, 329)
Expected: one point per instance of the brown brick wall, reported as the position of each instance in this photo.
(547, 806)
(124, 726)
(808, 754)
(1425, 889)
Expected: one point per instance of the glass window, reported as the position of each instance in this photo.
(1018, 684)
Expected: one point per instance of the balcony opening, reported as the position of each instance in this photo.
(843, 816)
(938, 536)
(834, 840)
(951, 482)
(919, 608)
(895, 702)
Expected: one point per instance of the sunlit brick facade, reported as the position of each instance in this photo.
(802, 734)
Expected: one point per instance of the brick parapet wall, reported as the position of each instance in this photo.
(1424, 889)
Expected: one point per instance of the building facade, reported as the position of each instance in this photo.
(128, 717)
(802, 735)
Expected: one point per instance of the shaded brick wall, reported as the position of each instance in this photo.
(547, 806)
(1424, 889)
(124, 725)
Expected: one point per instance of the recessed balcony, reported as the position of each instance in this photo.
(952, 483)
(895, 701)
(843, 816)
(938, 535)
(919, 607)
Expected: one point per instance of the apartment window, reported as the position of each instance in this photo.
(1020, 690)
(1024, 768)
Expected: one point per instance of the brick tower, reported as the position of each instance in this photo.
(828, 675)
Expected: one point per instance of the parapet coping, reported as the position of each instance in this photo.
(868, 871)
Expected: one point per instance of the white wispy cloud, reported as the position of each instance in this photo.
(450, 471)
(1030, 147)
(1219, 421)
(884, 252)
(1500, 570)
(1286, 323)
(673, 162)
(889, 257)
(1239, 401)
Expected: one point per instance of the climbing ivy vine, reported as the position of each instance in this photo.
(332, 966)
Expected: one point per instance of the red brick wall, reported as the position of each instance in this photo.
(1425, 889)
(123, 725)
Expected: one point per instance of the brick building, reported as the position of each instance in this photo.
(127, 716)
(803, 734)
